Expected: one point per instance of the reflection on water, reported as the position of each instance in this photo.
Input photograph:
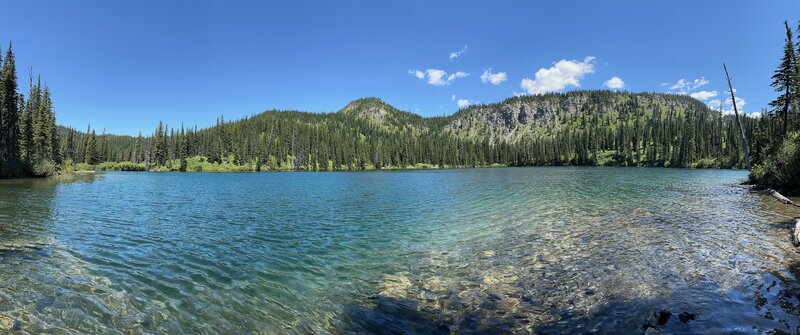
(543, 250)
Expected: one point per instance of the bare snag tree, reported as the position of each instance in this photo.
(738, 122)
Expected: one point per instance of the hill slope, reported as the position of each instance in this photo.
(579, 127)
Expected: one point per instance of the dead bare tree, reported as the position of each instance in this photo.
(738, 122)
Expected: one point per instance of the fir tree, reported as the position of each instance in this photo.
(9, 115)
(785, 81)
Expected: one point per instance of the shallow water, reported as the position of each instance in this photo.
(545, 250)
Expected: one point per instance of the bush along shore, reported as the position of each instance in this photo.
(203, 164)
(780, 167)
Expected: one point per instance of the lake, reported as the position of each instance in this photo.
(501, 250)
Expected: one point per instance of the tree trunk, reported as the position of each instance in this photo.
(738, 122)
(786, 112)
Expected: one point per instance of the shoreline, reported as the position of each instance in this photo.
(64, 175)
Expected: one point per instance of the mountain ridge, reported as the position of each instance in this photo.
(592, 127)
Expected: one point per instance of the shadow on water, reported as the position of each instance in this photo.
(756, 313)
(26, 212)
(533, 300)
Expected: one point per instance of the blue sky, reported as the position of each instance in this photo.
(124, 65)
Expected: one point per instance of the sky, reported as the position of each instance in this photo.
(124, 65)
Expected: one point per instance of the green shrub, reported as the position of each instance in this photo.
(780, 170)
(83, 167)
(706, 163)
(68, 166)
(45, 169)
(120, 166)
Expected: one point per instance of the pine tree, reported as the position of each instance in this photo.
(159, 145)
(51, 144)
(68, 149)
(91, 149)
(39, 122)
(785, 80)
(26, 132)
(9, 116)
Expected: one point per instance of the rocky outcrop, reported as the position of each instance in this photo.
(377, 111)
(525, 115)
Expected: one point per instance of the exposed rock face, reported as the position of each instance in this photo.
(381, 113)
(519, 116)
(369, 108)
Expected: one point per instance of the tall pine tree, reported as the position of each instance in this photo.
(9, 115)
(785, 81)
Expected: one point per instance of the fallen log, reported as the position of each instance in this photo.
(796, 233)
(780, 197)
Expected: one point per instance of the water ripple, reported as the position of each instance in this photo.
(547, 250)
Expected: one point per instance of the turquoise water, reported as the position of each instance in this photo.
(550, 250)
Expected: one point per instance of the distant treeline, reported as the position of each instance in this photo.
(578, 128)
(611, 129)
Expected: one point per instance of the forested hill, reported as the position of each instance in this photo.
(575, 128)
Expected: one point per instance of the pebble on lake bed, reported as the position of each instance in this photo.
(395, 286)
(6, 323)
(437, 284)
(505, 276)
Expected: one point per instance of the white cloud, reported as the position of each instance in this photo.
(463, 103)
(493, 78)
(714, 104)
(456, 54)
(456, 75)
(437, 77)
(683, 86)
(614, 83)
(453, 97)
(554, 79)
(755, 114)
(417, 73)
(739, 103)
(697, 83)
(703, 95)
(727, 109)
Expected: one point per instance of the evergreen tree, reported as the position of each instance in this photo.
(91, 149)
(68, 148)
(785, 81)
(159, 151)
(9, 116)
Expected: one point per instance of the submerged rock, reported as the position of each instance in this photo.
(436, 284)
(6, 323)
(395, 286)
(685, 317)
(656, 319)
(652, 331)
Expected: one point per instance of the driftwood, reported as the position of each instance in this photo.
(780, 197)
(796, 232)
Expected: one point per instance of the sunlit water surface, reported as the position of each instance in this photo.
(544, 250)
